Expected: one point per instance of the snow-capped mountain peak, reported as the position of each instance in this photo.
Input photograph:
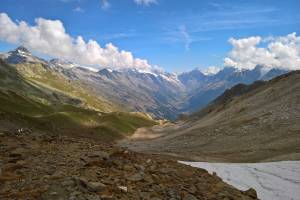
(22, 50)
(63, 63)
(21, 55)
(210, 71)
(70, 65)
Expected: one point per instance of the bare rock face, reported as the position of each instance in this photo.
(80, 168)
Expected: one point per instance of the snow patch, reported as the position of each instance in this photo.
(272, 181)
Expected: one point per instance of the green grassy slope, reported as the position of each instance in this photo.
(31, 105)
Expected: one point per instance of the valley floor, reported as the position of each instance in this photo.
(272, 181)
(203, 147)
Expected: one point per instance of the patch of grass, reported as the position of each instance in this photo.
(125, 123)
(13, 102)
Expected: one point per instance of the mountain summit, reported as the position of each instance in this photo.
(22, 49)
(21, 55)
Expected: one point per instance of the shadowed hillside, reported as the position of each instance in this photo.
(32, 106)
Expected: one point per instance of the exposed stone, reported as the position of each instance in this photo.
(189, 197)
(99, 154)
(91, 186)
(67, 182)
(57, 175)
(136, 177)
(92, 197)
(123, 188)
(252, 193)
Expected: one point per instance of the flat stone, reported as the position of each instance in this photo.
(136, 177)
(95, 186)
(99, 154)
(92, 197)
(57, 175)
(91, 186)
(123, 188)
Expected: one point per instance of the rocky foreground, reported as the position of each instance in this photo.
(37, 166)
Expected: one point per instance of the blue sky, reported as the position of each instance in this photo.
(177, 35)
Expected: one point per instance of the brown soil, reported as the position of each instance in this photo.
(43, 166)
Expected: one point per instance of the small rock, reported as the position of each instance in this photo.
(192, 189)
(144, 195)
(57, 175)
(124, 188)
(91, 186)
(73, 195)
(99, 154)
(189, 197)
(67, 183)
(53, 193)
(128, 167)
(126, 152)
(107, 197)
(139, 167)
(136, 177)
(148, 179)
(95, 186)
(46, 176)
(92, 197)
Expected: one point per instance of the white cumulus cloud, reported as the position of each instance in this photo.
(50, 37)
(145, 2)
(273, 52)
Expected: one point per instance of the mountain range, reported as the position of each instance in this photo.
(247, 123)
(159, 93)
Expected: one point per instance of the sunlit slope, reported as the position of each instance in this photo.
(42, 76)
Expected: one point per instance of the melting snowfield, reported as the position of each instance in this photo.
(272, 181)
